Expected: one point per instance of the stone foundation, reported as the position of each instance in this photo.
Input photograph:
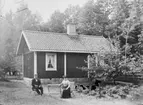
(49, 85)
(59, 80)
(56, 80)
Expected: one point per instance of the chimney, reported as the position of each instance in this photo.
(71, 29)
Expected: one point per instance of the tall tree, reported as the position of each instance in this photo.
(25, 20)
(72, 14)
(56, 21)
(12, 24)
(94, 17)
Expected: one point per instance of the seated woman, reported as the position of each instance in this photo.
(65, 88)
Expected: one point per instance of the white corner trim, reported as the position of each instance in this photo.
(24, 36)
(26, 40)
(65, 64)
(88, 61)
(35, 62)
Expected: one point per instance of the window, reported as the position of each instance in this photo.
(92, 60)
(51, 62)
(101, 61)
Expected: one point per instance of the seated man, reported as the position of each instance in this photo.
(65, 87)
(36, 85)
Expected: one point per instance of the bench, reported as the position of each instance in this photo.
(55, 88)
(124, 83)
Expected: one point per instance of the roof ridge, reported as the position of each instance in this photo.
(60, 33)
(48, 41)
(41, 32)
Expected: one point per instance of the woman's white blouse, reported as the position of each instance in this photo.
(65, 82)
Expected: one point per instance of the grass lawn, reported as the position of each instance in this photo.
(17, 93)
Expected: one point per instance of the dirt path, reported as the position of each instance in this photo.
(17, 93)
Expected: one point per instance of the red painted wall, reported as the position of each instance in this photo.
(29, 65)
(75, 60)
(23, 48)
(50, 74)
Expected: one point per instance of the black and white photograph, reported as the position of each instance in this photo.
(71, 52)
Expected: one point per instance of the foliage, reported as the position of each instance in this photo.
(123, 29)
(25, 20)
(72, 14)
(114, 66)
(94, 16)
(118, 91)
(120, 21)
(136, 93)
(56, 22)
(11, 26)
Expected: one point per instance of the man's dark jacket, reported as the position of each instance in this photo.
(34, 82)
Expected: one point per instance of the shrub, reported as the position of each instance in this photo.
(115, 91)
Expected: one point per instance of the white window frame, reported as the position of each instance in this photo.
(46, 62)
(101, 61)
(88, 60)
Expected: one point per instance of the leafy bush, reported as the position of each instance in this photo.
(136, 93)
(116, 91)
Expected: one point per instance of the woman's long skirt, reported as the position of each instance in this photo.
(66, 93)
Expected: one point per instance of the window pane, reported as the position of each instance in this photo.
(50, 61)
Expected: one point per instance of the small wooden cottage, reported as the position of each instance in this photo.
(52, 55)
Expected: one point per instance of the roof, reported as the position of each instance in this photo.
(61, 42)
